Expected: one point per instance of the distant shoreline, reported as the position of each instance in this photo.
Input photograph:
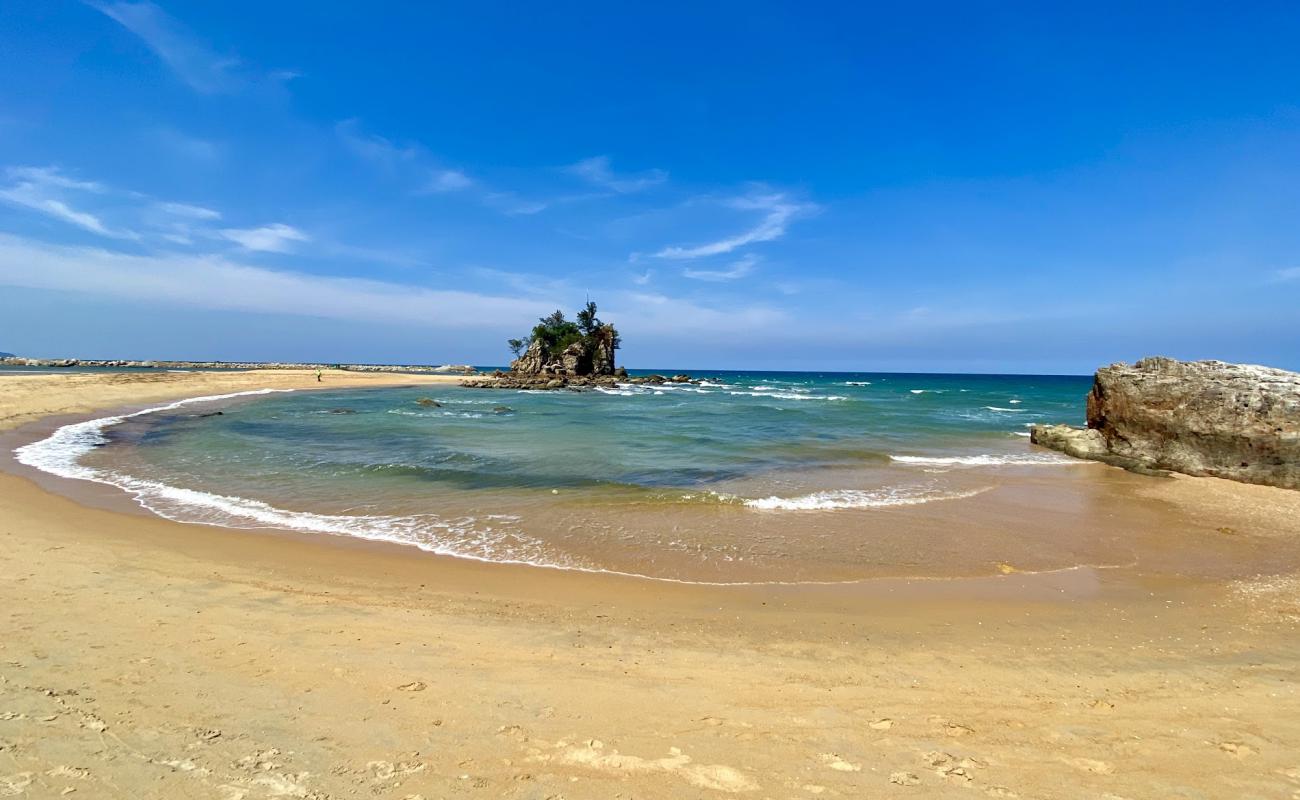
(74, 363)
(458, 369)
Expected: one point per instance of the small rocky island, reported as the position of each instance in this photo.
(1207, 418)
(567, 354)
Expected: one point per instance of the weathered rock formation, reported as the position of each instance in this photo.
(591, 356)
(551, 381)
(1211, 418)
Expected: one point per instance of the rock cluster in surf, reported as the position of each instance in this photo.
(1209, 418)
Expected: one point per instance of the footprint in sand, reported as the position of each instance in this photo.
(593, 755)
(882, 724)
(413, 686)
(16, 784)
(950, 728)
(958, 775)
(383, 771)
(64, 771)
(1089, 765)
(1237, 749)
(833, 761)
(904, 778)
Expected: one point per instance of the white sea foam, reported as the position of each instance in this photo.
(857, 383)
(789, 396)
(987, 460)
(1025, 434)
(60, 452)
(931, 391)
(997, 408)
(466, 537)
(839, 499)
(766, 388)
(444, 413)
(1014, 402)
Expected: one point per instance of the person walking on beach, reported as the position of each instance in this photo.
(318, 376)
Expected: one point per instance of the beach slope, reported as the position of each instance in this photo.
(142, 658)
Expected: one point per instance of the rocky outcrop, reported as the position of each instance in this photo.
(552, 381)
(592, 355)
(1207, 418)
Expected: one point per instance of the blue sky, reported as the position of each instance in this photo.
(943, 187)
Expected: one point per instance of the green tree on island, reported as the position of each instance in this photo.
(554, 333)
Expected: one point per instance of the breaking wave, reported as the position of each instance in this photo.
(839, 499)
(986, 460)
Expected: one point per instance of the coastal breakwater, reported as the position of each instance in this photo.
(1204, 418)
(75, 363)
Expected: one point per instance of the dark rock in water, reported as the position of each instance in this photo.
(429, 402)
(343, 411)
(502, 410)
(1209, 418)
(210, 414)
(621, 372)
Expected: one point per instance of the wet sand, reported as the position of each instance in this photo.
(145, 658)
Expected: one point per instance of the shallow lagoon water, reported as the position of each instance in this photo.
(745, 477)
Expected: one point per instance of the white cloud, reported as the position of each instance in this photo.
(648, 315)
(737, 269)
(274, 238)
(375, 148)
(219, 283)
(189, 211)
(46, 189)
(512, 204)
(596, 170)
(186, 146)
(191, 60)
(777, 209)
(1288, 274)
(448, 180)
(644, 278)
(52, 177)
(216, 283)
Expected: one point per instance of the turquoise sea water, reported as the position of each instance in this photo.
(669, 481)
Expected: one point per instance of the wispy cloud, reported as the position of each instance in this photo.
(193, 61)
(448, 180)
(188, 211)
(48, 191)
(778, 211)
(192, 148)
(221, 283)
(214, 282)
(274, 238)
(737, 269)
(374, 148)
(597, 171)
(412, 163)
(512, 204)
(53, 177)
(1288, 274)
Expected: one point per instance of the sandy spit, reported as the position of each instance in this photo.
(145, 659)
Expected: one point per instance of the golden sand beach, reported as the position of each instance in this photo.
(143, 658)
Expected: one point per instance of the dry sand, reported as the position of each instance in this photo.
(141, 658)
